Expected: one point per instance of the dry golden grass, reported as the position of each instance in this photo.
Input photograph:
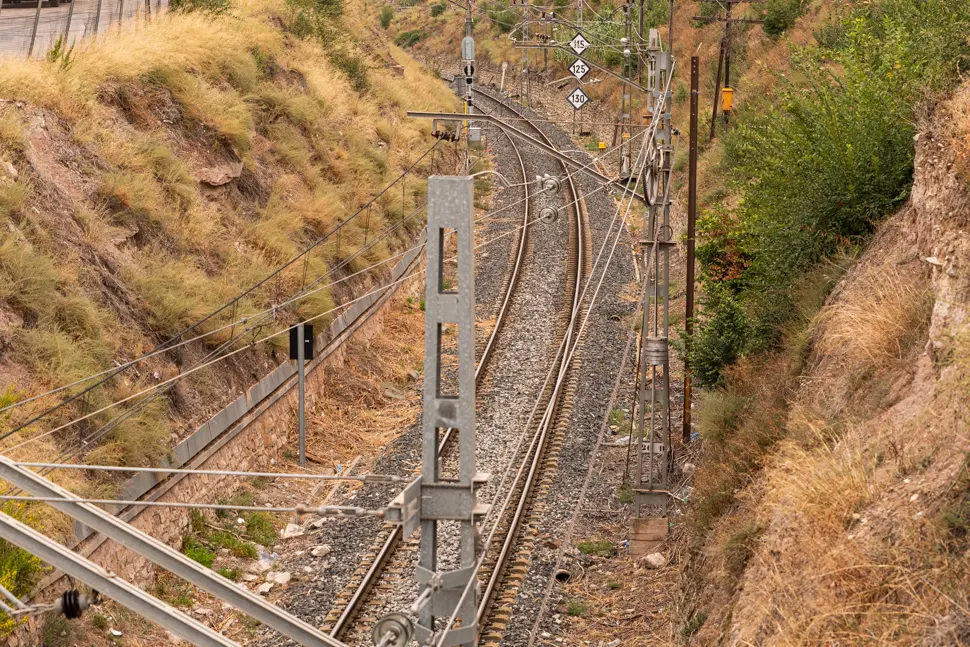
(877, 320)
(958, 111)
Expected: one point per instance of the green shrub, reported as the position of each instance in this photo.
(694, 624)
(387, 14)
(576, 607)
(410, 38)
(230, 573)
(781, 14)
(437, 9)
(817, 166)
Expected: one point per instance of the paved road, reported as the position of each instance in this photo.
(17, 22)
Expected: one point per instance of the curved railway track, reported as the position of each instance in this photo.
(513, 523)
(378, 560)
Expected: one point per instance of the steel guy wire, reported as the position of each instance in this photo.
(251, 344)
(205, 364)
(164, 345)
(323, 511)
(164, 348)
(363, 478)
(566, 361)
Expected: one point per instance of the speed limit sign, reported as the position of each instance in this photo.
(579, 68)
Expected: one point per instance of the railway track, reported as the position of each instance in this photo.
(383, 562)
(513, 524)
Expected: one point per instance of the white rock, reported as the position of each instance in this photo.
(10, 170)
(933, 260)
(265, 588)
(655, 560)
(307, 569)
(279, 577)
(260, 566)
(320, 551)
(913, 498)
(116, 633)
(613, 643)
(249, 577)
(292, 530)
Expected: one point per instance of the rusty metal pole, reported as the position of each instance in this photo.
(727, 51)
(33, 33)
(717, 89)
(691, 220)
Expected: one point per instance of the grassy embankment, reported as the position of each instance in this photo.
(118, 233)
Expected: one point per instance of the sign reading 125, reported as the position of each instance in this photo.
(579, 68)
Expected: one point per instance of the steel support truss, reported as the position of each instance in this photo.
(109, 584)
(165, 556)
(652, 439)
(435, 497)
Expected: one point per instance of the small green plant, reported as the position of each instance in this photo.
(437, 9)
(694, 625)
(60, 52)
(259, 527)
(197, 521)
(183, 600)
(215, 7)
(624, 493)
(58, 631)
(195, 550)
(576, 607)
(236, 546)
(100, 621)
(387, 14)
(602, 547)
(410, 38)
(613, 585)
(230, 573)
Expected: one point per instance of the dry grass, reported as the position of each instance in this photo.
(878, 320)
(958, 110)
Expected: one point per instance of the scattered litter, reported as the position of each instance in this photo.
(279, 577)
(292, 530)
(913, 498)
(622, 441)
(116, 633)
(933, 260)
(320, 551)
(689, 468)
(655, 560)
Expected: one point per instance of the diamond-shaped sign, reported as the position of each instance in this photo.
(577, 98)
(578, 44)
(579, 68)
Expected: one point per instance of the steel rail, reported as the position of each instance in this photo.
(390, 544)
(534, 454)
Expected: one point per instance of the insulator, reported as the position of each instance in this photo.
(393, 630)
(73, 603)
(548, 215)
(655, 351)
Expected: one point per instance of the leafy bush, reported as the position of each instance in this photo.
(818, 166)
(410, 38)
(387, 14)
(781, 14)
(437, 9)
(259, 527)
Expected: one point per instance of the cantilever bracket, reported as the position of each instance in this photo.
(515, 132)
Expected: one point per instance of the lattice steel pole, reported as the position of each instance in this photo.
(651, 474)
(449, 498)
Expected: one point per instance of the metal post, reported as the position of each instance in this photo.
(109, 584)
(165, 556)
(727, 50)
(33, 33)
(121, 13)
(301, 381)
(449, 207)
(691, 221)
(97, 17)
(67, 28)
(717, 89)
